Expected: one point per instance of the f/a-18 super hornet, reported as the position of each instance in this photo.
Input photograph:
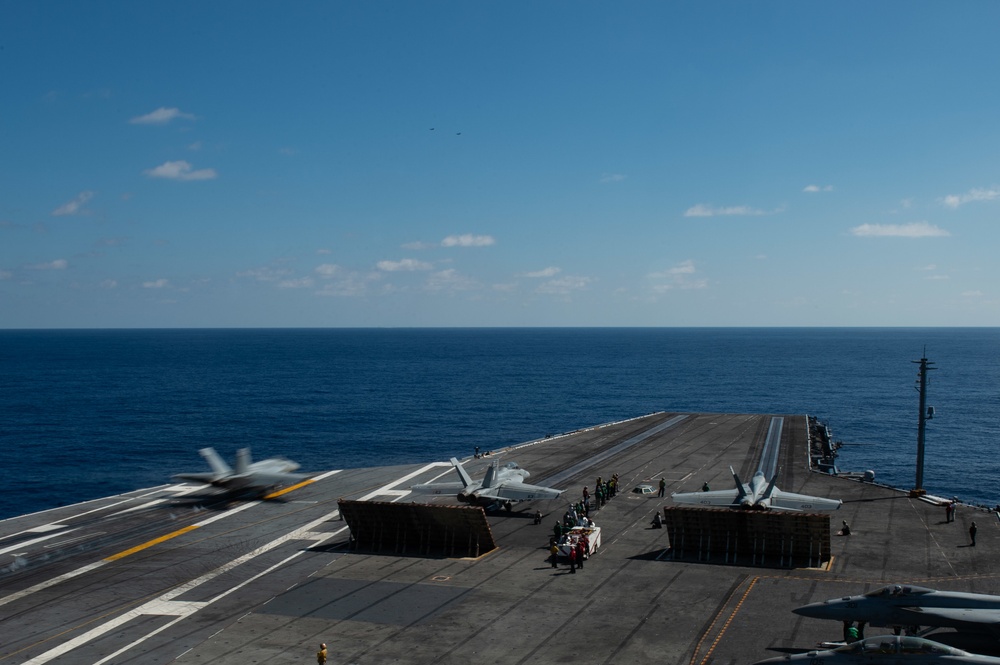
(502, 485)
(887, 649)
(903, 606)
(757, 495)
(248, 476)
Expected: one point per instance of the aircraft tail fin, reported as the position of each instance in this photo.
(742, 493)
(770, 487)
(219, 467)
(242, 461)
(466, 480)
(491, 475)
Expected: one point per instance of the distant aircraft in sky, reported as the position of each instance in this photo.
(903, 606)
(263, 476)
(887, 649)
(501, 485)
(758, 495)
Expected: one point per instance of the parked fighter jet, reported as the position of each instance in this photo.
(888, 649)
(249, 476)
(902, 606)
(502, 485)
(758, 495)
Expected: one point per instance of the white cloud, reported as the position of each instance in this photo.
(812, 189)
(973, 294)
(327, 269)
(109, 284)
(679, 276)
(937, 277)
(300, 283)
(450, 280)
(707, 210)
(161, 116)
(612, 177)
(58, 264)
(418, 245)
(911, 230)
(156, 284)
(982, 194)
(551, 271)
(403, 265)
(6, 274)
(265, 274)
(180, 170)
(323, 252)
(929, 266)
(564, 285)
(467, 240)
(73, 207)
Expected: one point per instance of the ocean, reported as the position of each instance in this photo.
(89, 413)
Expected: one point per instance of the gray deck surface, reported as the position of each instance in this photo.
(265, 582)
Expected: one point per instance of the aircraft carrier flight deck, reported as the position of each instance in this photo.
(163, 576)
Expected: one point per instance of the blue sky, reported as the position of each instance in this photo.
(231, 164)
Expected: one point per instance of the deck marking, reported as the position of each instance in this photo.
(414, 474)
(33, 541)
(166, 605)
(150, 543)
(715, 620)
(290, 488)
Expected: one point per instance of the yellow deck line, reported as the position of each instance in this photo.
(154, 541)
(288, 489)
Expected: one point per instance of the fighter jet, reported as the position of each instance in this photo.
(903, 606)
(888, 649)
(758, 495)
(502, 485)
(249, 476)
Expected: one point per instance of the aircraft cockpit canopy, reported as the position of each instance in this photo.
(887, 645)
(511, 465)
(898, 590)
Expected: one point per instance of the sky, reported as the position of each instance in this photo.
(412, 164)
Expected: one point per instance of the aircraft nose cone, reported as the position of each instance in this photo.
(814, 610)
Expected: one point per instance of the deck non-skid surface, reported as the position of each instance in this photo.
(156, 577)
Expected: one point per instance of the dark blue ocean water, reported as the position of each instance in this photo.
(89, 413)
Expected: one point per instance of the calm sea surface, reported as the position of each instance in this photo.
(85, 414)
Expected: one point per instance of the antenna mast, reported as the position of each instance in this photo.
(925, 415)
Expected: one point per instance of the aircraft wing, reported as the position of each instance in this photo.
(802, 502)
(195, 477)
(520, 492)
(438, 488)
(930, 616)
(713, 498)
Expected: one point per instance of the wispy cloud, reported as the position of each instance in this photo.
(180, 170)
(403, 265)
(612, 177)
(450, 280)
(911, 230)
(327, 269)
(265, 273)
(982, 194)
(58, 264)
(156, 284)
(564, 286)
(708, 210)
(161, 116)
(551, 271)
(812, 189)
(468, 240)
(75, 206)
(679, 276)
(299, 283)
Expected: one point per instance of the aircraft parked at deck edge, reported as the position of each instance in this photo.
(249, 476)
(758, 495)
(888, 649)
(501, 484)
(901, 606)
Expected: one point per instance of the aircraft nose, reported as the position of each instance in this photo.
(773, 661)
(820, 610)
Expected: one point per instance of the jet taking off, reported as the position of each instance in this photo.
(249, 476)
(888, 649)
(902, 606)
(758, 495)
(502, 485)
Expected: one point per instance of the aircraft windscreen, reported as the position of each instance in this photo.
(897, 590)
